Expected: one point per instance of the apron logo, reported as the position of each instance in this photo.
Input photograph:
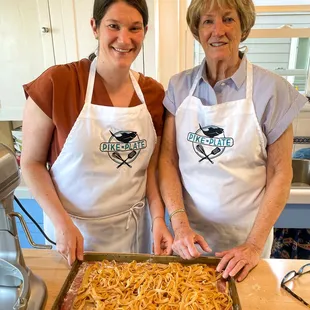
(209, 142)
(123, 147)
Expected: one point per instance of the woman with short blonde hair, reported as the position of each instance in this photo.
(225, 163)
(244, 8)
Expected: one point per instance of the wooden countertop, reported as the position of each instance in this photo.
(260, 290)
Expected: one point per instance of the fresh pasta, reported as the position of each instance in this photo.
(110, 285)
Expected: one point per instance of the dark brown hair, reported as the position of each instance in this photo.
(101, 7)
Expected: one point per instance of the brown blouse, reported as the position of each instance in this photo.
(60, 93)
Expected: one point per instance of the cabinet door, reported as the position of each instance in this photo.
(72, 34)
(25, 51)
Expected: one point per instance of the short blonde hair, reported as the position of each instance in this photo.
(244, 8)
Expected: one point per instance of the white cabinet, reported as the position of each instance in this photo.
(36, 34)
(24, 53)
(72, 35)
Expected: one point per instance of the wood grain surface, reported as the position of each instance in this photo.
(260, 290)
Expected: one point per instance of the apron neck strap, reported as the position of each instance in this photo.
(91, 82)
(136, 87)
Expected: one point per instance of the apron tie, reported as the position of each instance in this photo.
(131, 214)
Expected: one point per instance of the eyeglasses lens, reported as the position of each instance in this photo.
(289, 276)
(305, 269)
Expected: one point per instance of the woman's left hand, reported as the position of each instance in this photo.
(241, 259)
(162, 238)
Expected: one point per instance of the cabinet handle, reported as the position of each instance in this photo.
(45, 29)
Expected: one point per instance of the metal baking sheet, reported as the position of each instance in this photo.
(127, 258)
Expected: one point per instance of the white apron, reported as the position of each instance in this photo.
(222, 159)
(100, 174)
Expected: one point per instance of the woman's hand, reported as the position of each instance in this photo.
(242, 258)
(184, 243)
(69, 242)
(162, 238)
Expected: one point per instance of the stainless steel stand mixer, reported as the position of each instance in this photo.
(20, 289)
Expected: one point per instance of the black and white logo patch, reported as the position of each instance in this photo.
(123, 147)
(209, 142)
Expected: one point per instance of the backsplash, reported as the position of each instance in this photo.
(301, 140)
(301, 127)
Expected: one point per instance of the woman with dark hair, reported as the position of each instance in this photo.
(98, 125)
(227, 144)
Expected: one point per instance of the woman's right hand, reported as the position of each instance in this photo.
(69, 242)
(184, 243)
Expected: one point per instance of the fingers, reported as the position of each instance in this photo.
(233, 271)
(193, 250)
(168, 250)
(183, 252)
(186, 253)
(162, 239)
(184, 244)
(186, 249)
(238, 261)
(68, 255)
(233, 267)
(224, 261)
(62, 250)
(244, 273)
(80, 247)
(71, 256)
(176, 250)
(72, 250)
(70, 244)
(167, 246)
(203, 244)
(221, 254)
(157, 247)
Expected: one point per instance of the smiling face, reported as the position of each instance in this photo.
(220, 34)
(120, 34)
